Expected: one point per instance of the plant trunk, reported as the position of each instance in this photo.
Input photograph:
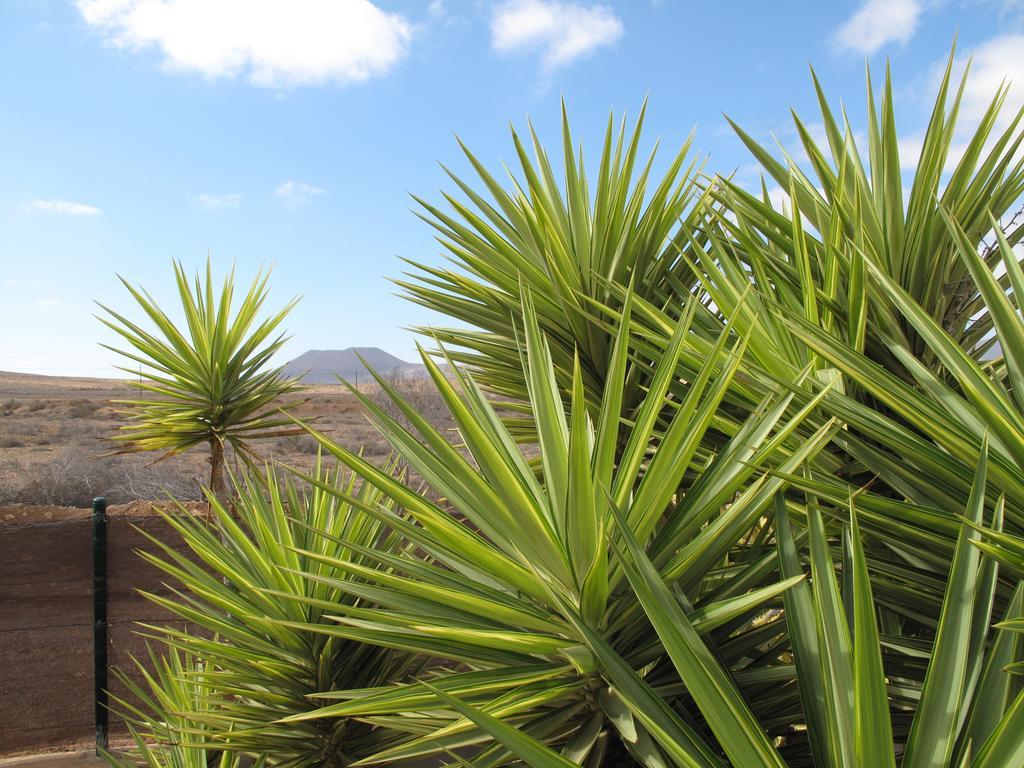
(217, 471)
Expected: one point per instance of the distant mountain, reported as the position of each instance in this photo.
(324, 366)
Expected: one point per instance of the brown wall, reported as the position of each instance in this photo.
(46, 632)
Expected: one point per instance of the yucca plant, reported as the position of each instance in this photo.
(598, 606)
(211, 384)
(857, 711)
(566, 241)
(931, 441)
(823, 285)
(166, 713)
(843, 210)
(965, 409)
(521, 582)
(253, 589)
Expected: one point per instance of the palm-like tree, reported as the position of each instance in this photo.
(212, 383)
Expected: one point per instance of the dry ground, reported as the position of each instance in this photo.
(55, 446)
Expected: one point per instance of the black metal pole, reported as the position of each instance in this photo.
(99, 614)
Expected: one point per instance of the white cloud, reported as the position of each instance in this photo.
(910, 147)
(790, 141)
(993, 61)
(778, 197)
(211, 202)
(439, 13)
(64, 206)
(296, 193)
(561, 31)
(272, 44)
(878, 22)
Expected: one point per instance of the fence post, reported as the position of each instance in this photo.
(99, 614)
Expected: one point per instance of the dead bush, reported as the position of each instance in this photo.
(71, 480)
(305, 444)
(421, 394)
(82, 408)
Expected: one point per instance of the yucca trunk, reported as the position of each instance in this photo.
(217, 486)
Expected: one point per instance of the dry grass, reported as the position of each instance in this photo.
(421, 394)
(55, 447)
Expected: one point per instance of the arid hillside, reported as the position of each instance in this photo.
(55, 446)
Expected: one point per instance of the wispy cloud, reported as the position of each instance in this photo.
(210, 202)
(273, 44)
(878, 22)
(560, 31)
(67, 207)
(439, 13)
(296, 193)
(994, 63)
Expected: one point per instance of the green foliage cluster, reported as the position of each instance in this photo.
(776, 516)
(207, 384)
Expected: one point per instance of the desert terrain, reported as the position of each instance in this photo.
(56, 447)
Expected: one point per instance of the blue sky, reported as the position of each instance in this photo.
(291, 132)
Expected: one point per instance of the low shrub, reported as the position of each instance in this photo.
(70, 480)
(419, 392)
(81, 409)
